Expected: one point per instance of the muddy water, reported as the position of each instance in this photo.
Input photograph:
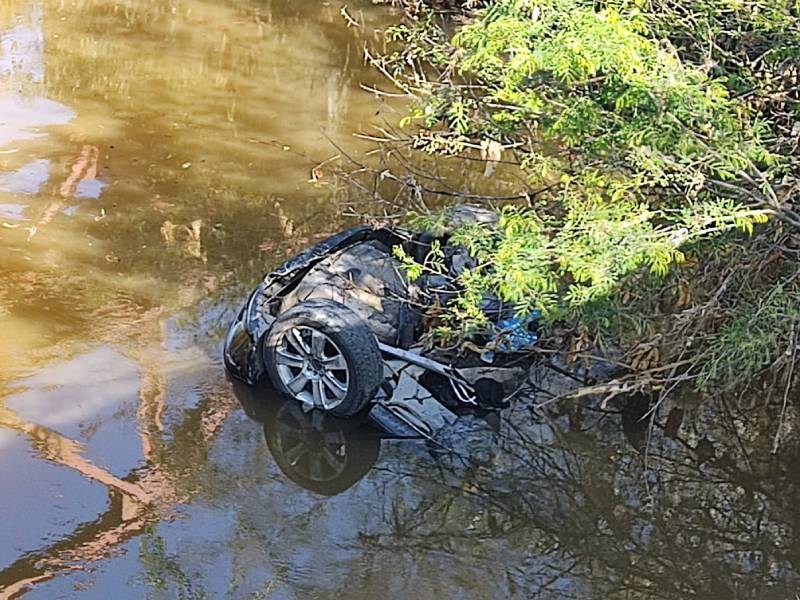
(155, 159)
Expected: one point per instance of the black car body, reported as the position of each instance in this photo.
(252, 335)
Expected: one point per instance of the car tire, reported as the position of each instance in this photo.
(324, 455)
(322, 354)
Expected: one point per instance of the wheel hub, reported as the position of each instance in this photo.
(312, 367)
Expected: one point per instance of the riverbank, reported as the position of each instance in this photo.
(648, 178)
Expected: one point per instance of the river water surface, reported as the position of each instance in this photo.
(156, 158)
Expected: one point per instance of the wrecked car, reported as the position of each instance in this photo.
(332, 326)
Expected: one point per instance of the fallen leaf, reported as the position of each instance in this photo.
(194, 230)
(577, 345)
(684, 296)
(644, 357)
(168, 232)
(690, 262)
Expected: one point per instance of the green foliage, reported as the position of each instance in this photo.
(752, 338)
(596, 84)
(560, 266)
(641, 144)
(433, 262)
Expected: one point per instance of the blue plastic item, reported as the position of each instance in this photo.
(513, 334)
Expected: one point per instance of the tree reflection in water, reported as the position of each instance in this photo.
(558, 506)
(567, 502)
(139, 500)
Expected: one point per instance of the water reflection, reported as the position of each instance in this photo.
(154, 161)
(565, 506)
(24, 108)
(317, 451)
(107, 148)
(555, 504)
(162, 152)
(28, 179)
